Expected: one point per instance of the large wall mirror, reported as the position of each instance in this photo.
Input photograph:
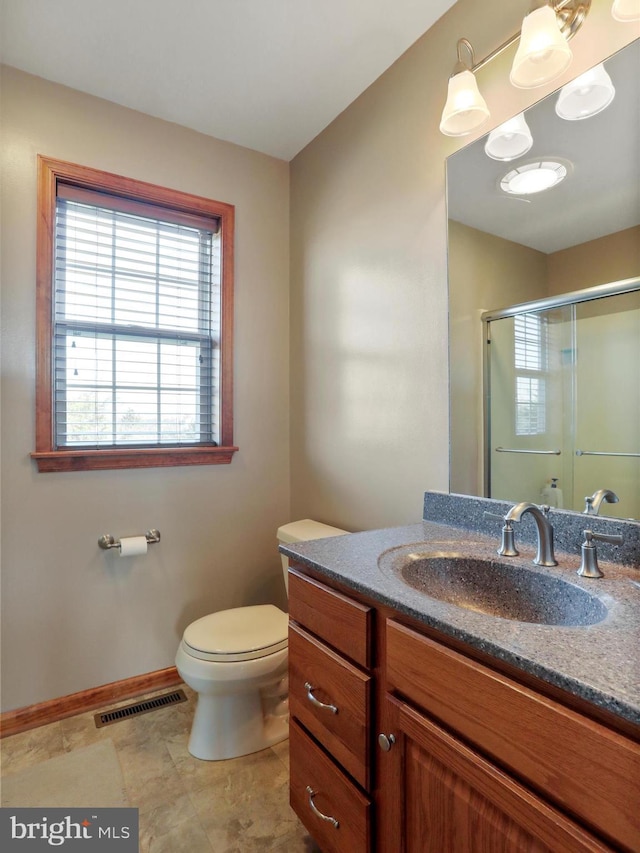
(549, 411)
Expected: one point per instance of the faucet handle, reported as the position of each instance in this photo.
(507, 543)
(613, 538)
(589, 567)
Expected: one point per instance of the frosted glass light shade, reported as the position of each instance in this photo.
(510, 140)
(543, 53)
(465, 109)
(587, 95)
(626, 10)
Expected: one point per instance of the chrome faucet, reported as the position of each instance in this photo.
(544, 555)
(592, 504)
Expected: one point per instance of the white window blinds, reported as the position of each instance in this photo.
(136, 324)
(529, 339)
(530, 361)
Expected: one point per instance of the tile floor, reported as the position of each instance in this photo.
(185, 805)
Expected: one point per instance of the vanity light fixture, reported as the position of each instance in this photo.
(543, 55)
(626, 10)
(586, 96)
(510, 140)
(465, 109)
(533, 177)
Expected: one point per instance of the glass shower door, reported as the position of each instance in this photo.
(530, 406)
(607, 414)
(563, 404)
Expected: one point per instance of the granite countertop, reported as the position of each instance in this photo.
(599, 662)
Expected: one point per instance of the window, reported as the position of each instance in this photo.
(135, 290)
(530, 351)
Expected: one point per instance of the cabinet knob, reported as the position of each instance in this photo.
(386, 742)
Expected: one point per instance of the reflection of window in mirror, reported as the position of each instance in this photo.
(530, 361)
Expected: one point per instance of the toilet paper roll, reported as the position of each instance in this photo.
(131, 546)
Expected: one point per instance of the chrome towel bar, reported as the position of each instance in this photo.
(538, 452)
(604, 453)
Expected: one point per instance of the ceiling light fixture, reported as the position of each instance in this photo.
(465, 109)
(510, 140)
(543, 54)
(586, 96)
(626, 10)
(534, 177)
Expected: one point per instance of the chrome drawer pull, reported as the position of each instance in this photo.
(316, 811)
(309, 688)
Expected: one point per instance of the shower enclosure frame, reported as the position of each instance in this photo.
(575, 297)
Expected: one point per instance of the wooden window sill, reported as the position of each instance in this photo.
(100, 460)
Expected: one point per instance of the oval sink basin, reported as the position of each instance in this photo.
(496, 588)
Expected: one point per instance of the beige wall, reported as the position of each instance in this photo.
(369, 380)
(75, 617)
(611, 258)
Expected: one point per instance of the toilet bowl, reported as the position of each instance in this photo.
(236, 661)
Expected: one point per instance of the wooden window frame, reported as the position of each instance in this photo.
(49, 458)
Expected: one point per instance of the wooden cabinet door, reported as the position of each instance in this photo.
(452, 800)
(586, 769)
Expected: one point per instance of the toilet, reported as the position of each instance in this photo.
(236, 661)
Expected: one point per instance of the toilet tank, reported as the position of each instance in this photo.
(303, 531)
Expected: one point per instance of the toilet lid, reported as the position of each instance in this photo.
(243, 633)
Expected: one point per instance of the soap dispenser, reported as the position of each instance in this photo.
(559, 502)
(551, 494)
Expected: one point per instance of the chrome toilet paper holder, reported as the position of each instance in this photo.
(108, 541)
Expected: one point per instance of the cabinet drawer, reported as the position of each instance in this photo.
(337, 683)
(336, 619)
(583, 766)
(331, 793)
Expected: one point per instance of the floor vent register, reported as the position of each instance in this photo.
(106, 718)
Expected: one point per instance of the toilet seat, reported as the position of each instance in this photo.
(242, 633)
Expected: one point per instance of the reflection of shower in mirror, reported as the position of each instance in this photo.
(560, 376)
(506, 250)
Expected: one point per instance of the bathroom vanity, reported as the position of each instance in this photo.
(424, 726)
